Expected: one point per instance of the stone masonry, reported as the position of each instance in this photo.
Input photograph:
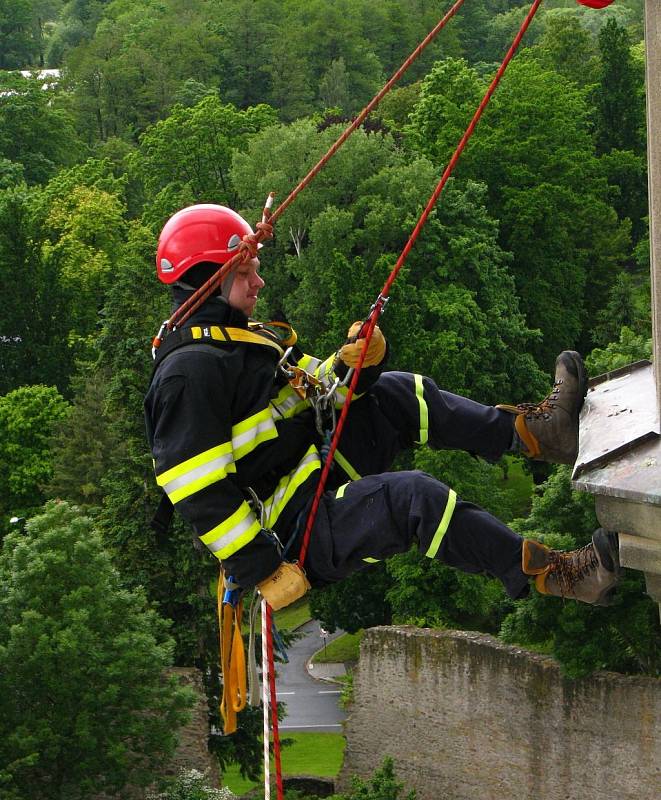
(466, 717)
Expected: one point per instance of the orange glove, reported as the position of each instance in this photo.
(350, 353)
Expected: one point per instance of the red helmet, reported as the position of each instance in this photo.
(204, 232)
(595, 3)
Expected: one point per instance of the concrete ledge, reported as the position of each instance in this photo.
(637, 552)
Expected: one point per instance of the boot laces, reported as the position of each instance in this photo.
(570, 568)
(545, 407)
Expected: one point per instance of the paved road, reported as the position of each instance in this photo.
(311, 705)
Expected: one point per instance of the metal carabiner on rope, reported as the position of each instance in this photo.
(280, 367)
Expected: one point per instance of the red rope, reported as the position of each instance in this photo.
(273, 703)
(201, 295)
(370, 324)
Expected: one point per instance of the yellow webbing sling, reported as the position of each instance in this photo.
(232, 657)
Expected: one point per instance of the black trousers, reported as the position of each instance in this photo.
(379, 513)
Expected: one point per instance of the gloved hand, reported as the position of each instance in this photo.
(284, 586)
(350, 353)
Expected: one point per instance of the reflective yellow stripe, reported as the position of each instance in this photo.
(288, 403)
(233, 533)
(371, 560)
(217, 334)
(346, 466)
(324, 370)
(288, 485)
(308, 363)
(196, 332)
(252, 431)
(424, 411)
(194, 474)
(339, 494)
(443, 525)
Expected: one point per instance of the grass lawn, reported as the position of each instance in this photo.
(310, 754)
(293, 616)
(518, 486)
(344, 648)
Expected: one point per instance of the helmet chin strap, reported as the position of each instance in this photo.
(226, 285)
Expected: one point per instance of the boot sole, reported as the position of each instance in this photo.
(581, 375)
(607, 546)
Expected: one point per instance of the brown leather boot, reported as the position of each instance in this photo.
(549, 431)
(589, 574)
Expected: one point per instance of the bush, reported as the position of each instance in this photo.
(191, 785)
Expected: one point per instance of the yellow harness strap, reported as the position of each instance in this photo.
(232, 659)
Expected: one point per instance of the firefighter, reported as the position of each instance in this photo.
(236, 444)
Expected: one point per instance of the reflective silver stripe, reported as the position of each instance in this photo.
(195, 473)
(250, 432)
(308, 363)
(288, 403)
(234, 532)
(424, 411)
(443, 525)
(191, 482)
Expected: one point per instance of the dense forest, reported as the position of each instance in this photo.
(116, 113)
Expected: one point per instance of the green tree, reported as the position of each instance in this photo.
(82, 445)
(34, 130)
(58, 246)
(628, 347)
(16, 46)
(567, 47)
(619, 97)
(334, 86)
(86, 705)
(27, 418)
(359, 601)
(188, 155)
(535, 152)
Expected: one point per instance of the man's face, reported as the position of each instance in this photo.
(245, 287)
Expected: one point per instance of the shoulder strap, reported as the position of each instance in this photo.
(214, 335)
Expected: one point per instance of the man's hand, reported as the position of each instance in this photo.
(284, 586)
(350, 353)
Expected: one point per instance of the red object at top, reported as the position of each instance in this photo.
(204, 232)
(594, 3)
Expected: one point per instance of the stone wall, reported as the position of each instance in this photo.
(192, 751)
(467, 718)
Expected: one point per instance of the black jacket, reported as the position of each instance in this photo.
(219, 420)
